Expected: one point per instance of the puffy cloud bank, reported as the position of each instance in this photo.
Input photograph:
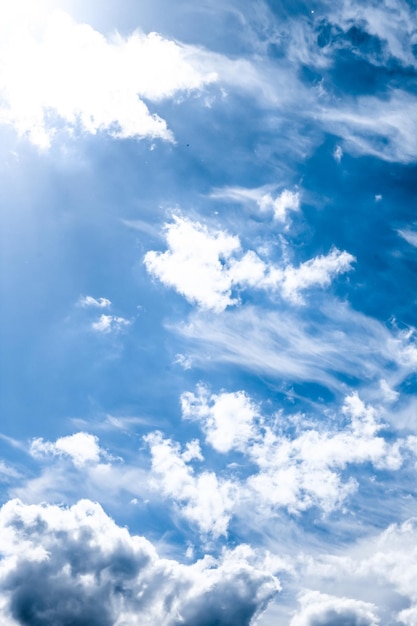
(75, 566)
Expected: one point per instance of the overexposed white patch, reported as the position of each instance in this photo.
(68, 74)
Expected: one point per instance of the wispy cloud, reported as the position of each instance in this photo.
(409, 235)
(279, 204)
(286, 344)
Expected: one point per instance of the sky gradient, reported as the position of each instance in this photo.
(208, 313)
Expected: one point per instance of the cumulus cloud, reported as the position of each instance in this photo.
(76, 566)
(285, 467)
(305, 470)
(69, 74)
(318, 609)
(81, 448)
(318, 271)
(194, 263)
(203, 498)
(110, 323)
(227, 419)
(206, 265)
(387, 558)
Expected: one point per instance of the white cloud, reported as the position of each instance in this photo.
(318, 609)
(73, 566)
(289, 345)
(206, 265)
(110, 323)
(89, 301)
(304, 471)
(283, 469)
(69, 74)
(7, 472)
(388, 559)
(389, 395)
(203, 498)
(227, 419)
(81, 447)
(409, 235)
(318, 271)
(408, 616)
(390, 21)
(384, 128)
(280, 205)
(194, 263)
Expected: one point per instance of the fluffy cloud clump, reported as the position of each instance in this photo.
(289, 466)
(202, 498)
(76, 566)
(319, 609)
(227, 418)
(205, 266)
(81, 448)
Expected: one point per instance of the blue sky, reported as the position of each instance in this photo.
(208, 320)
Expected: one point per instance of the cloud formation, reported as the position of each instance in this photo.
(110, 323)
(72, 76)
(318, 609)
(81, 448)
(227, 419)
(90, 301)
(206, 266)
(288, 465)
(280, 205)
(203, 498)
(76, 566)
